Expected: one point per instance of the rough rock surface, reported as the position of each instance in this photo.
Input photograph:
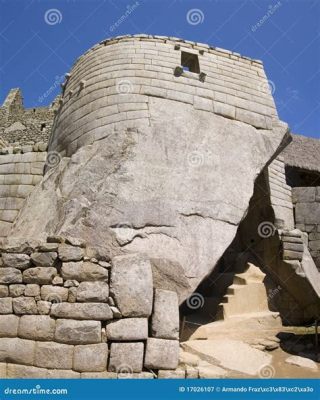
(162, 354)
(165, 318)
(301, 362)
(128, 329)
(126, 358)
(230, 354)
(162, 189)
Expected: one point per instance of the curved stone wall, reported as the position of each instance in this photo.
(109, 87)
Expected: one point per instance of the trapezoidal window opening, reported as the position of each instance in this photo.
(190, 62)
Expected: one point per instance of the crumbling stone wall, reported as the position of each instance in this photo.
(110, 87)
(21, 168)
(20, 126)
(307, 217)
(67, 310)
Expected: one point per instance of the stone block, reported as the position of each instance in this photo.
(21, 372)
(6, 305)
(93, 292)
(303, 194)
(314, 245)
(24, 305)
(44, 307)
(19, 261)
(62, 374)
(225, 110)
(15, 350)
(70, 253)
(10, 275)
(17, 290)
(4, 291)
(54, 294)
(37, 327)
(9, 326)
(165, 317)
(175, 374)
(90, 358)
(40, 275)
(251, 118)
(82, 311)
(314, 236)
(32, 290)
(78, 332)
(84, 271)
(53, 355)
(292, 255)
(307, 213)
(50, 247)
(293, 246)
(126, 357)
(132, 285)
(99, 375)
(161, 354)
(44, 259)
(127, 329)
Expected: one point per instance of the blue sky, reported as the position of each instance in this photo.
(38, 45)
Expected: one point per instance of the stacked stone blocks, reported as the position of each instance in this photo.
(64, 313)
(21, 168)
(110, 87)
(306, 202)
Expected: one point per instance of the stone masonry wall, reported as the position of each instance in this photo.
(20, 126)
(280, 194)
(109, 87)
(307, 217)
(21, 168)
(68, 311)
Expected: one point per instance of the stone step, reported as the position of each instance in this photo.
(231, 289)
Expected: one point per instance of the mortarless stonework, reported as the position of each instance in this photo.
(146, 155)
(149, 173)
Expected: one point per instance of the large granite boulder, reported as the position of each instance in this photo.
(175, 190)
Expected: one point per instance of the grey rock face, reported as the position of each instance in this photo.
(17, 290)
(93, 291)
(78, 332)
(90, 358)
(162, 354)
(132, 285)
(165, 317)
(96, 311)
(128, 329)
(126, 358)
(171, 185)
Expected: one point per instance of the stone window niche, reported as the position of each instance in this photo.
(190, 62)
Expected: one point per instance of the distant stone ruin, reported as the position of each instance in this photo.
(158, 194)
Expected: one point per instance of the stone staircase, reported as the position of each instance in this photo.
(247, 294)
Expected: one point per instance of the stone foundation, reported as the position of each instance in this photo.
(65, 313)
